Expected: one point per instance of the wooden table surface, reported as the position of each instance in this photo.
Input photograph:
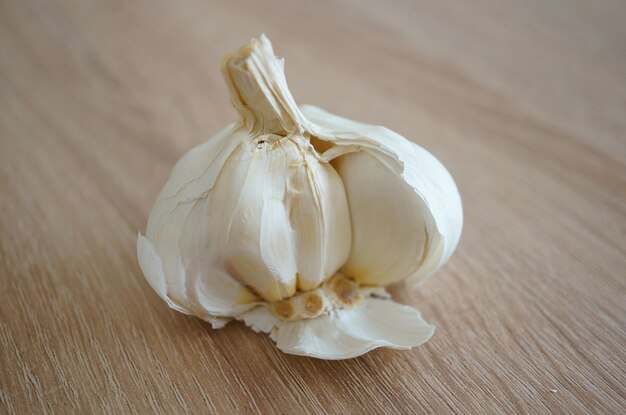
(524, 102)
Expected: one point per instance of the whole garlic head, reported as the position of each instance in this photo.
(294, 220)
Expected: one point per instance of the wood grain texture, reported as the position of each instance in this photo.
(525, 102)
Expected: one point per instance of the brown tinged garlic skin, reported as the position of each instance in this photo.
(294, 220)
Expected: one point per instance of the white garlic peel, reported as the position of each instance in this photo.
(294, 221)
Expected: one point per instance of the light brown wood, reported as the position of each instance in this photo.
(524, 101)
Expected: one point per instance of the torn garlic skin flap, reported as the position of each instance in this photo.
(294, 220)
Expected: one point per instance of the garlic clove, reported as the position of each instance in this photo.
(321, 221)
(241, 228)
(419, 169)
(160, 255)
(346, 333)
(286, 226)
(389, 219)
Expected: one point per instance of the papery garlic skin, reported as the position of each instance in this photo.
(294, 220)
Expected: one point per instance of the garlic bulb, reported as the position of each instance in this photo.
(294, 221)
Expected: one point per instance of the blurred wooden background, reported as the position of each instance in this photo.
(525, 102)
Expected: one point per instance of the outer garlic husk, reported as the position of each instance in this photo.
(294, 220)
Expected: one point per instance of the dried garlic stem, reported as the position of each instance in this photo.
(259, 90)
